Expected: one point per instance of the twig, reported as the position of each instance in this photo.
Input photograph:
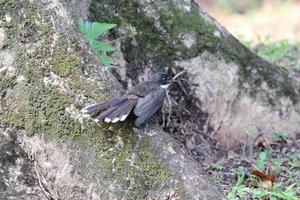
(182, 88)
(43, 184)
(170, 113)
(177, 75)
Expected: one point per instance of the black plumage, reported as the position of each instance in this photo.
(144, 99)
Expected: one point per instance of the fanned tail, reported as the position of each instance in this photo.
(111, 111)
(118, 112)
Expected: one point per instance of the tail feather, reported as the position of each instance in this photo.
(104, 114)
(117, 113)
(111, 111)
(121, 113)
(94, 108)
(101, 106)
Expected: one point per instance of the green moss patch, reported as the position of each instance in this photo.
(159, 45)
(24, 24)
(134, 165)
(5, 83)
(63, 61)
(88, 88)
(39, 109)
(153, 172)
(177, 23)
(123, 157)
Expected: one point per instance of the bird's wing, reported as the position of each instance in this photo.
(143, 89)
(149, 104)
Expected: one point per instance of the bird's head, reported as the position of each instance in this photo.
(163, 79)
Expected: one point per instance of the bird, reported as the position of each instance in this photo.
(143, 99)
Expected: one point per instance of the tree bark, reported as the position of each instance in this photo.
(243, 94)
(48, 151)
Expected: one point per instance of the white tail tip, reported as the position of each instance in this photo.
(85, 115)
(84, 111)
(115, 120)
(107, 120)
(123, 118)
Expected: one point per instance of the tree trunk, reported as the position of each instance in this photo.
(243, 94)
(48, 150)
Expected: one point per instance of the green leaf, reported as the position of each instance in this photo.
(97, 29)
(249, 130)
(91, 30)
(261, 160)
(131, 30)
(279, 136)
(105, 60)
(101, 46)
(81, 25)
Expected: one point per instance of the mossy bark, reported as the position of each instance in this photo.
(162, 27)
(48, 77)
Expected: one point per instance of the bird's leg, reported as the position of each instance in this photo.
(137, 131)
(142, 131)
(168, 98)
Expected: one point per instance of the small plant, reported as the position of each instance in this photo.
(261, 183)
(271, 51)
(249, 131)
(279, 136)
(239, 190)
(294, 161)
(275, 193)
(216, 166)
(260, 164)
(93, 30)
(236, 6)
(282, 53)
(276, 165)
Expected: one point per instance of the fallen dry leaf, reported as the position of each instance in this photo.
(267, 183)
(262, 142)
(267, 179)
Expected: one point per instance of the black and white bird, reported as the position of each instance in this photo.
(144, 99)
